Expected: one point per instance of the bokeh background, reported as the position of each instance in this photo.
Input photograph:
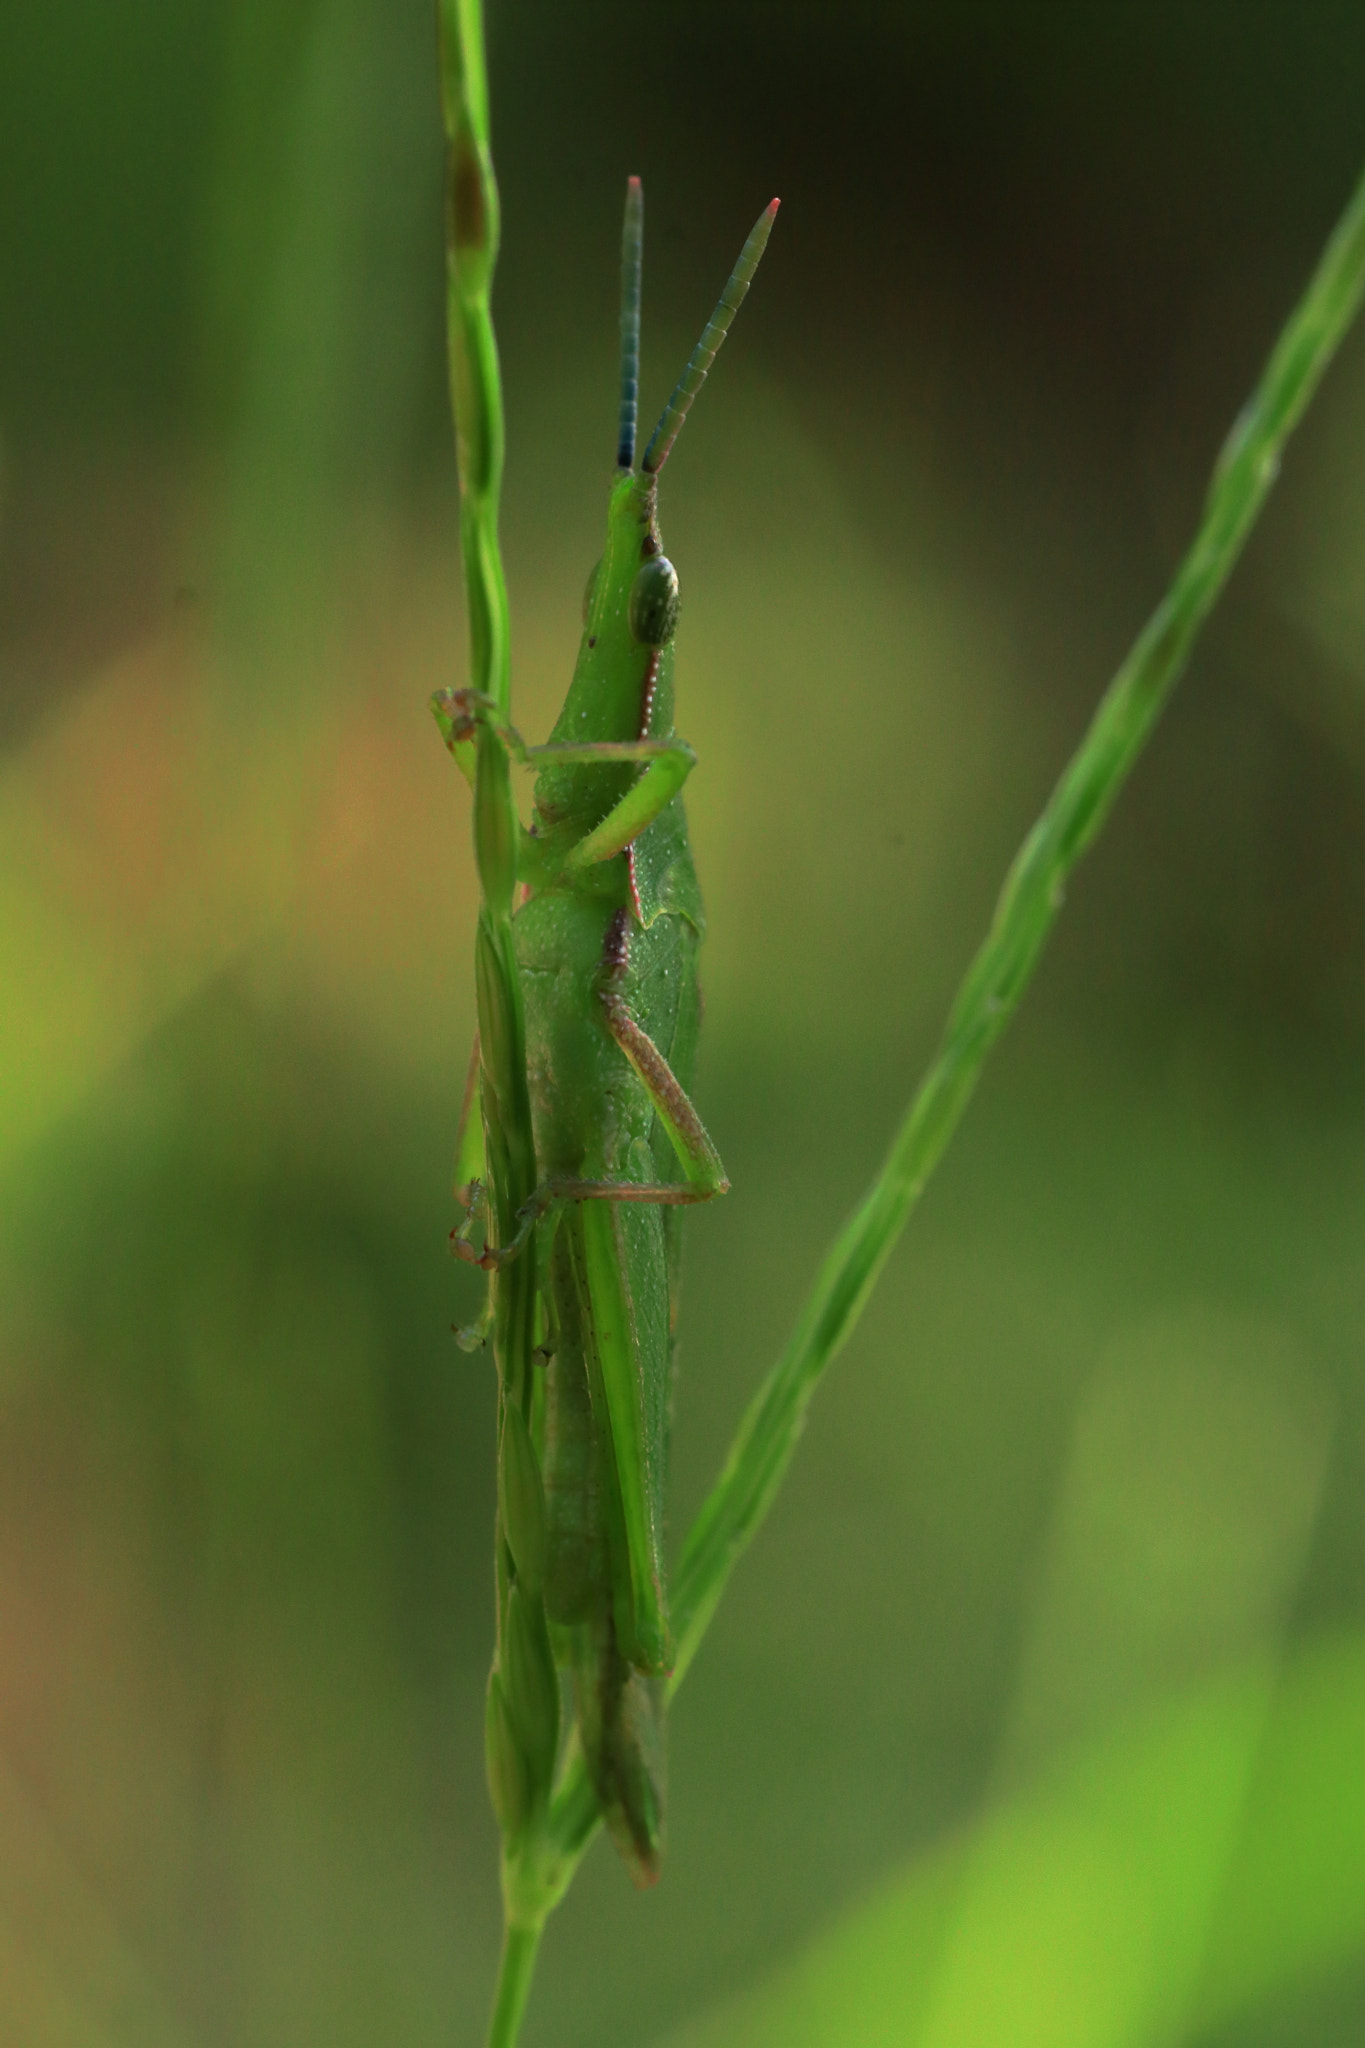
(1037, 1713)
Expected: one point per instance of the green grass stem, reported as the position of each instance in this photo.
(472, 232)
(519, 1946)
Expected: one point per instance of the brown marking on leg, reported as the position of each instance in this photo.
(662, 1193)
(638, 907)
(644, 1055)
(666, 1091)
(671, 1101)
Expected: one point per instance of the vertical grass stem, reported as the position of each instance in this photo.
(472, 230)
(519, 1947)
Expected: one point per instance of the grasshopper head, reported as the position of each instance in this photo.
(631, 597)
(632, 593)
(631, 603)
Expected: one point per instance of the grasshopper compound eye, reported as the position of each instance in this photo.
(654, 602)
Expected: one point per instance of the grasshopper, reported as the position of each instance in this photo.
(605, 938)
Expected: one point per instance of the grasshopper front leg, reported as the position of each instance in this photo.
(667, 765)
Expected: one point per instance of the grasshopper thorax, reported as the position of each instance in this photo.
(622, 681)
(622, 688)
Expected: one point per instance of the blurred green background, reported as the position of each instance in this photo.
(1037, 1713)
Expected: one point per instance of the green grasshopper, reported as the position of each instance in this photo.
(605, 939)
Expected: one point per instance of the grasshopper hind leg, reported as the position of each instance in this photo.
(578, 1583)
(622, 1722)
(588, 1575)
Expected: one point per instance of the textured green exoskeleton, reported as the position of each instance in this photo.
(605, 939)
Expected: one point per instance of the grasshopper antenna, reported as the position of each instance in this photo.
(632, 249)
(706, 350)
